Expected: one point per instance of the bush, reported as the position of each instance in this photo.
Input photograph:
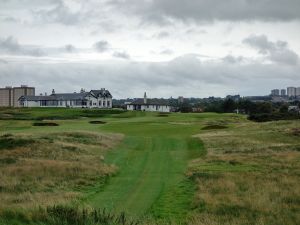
(265, 117)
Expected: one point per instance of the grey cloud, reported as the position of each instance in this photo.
(70, 48)
(3, 61)
(167, 52)
(185, 75)
(274, 51)
(58, 14)
(11, 46)
(10, 19)
(162, 34)
(27, 3)
(203, 10)
(101, 46)
(233, 59)
(123, 55)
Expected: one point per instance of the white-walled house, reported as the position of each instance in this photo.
(93, 99)
(150, 105)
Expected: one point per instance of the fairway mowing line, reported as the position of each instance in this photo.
(146, 172)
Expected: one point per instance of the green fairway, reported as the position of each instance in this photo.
(173, 168)
(152, 161)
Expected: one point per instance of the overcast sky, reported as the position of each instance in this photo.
(168, 48)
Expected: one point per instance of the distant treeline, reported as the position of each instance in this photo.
(256, 111)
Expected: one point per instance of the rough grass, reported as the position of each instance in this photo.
(65, 215)
(54, 113)
(170, 171)
(40, 169)
(249, 176)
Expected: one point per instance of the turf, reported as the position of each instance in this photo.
(184, 168)
(151, 178)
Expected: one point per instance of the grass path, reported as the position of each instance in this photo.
(151, 177)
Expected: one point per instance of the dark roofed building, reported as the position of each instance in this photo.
(151, 105)
(101, 93)
(93, 99)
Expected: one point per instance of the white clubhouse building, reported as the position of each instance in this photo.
(93, 99)
(150, 105)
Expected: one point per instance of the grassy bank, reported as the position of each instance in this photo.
(177, 168)
(249, 176)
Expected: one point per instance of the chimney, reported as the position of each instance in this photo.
(53, 91)
(45, 93)
(82, 90)
(145, 98)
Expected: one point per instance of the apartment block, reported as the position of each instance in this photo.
(9, 96)
(283, 92)
(291, 91)
(298, 91)
(275, 92)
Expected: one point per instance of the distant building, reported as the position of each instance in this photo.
(293, 109)
(9, 95)
(151, 105)
(291, 91)
(197, 109)
(93, 99)
(180, 100)
(259, 98)
(275, 92)
(297, 91)
(234, 97)
(283, 92)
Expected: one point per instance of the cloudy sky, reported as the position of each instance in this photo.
(168, 48)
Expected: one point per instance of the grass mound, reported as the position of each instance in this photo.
(97, 122)
(46, 124)
(214, 127)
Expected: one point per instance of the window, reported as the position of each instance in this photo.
(100, 103)
(108, 103)
(103, 103)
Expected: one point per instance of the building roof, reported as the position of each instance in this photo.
(57, 97)
(101, 93)
(153, 101)
(71, 96)
(37, 98)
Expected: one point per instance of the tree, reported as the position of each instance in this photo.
(229, 105)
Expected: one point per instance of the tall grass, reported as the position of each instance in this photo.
(42, 170)
(250, 175)
(65, 215)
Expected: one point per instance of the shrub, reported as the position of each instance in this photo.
(265, 117)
